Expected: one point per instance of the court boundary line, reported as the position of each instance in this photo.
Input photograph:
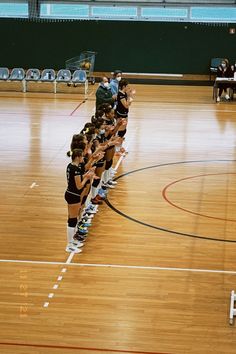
(97, 265)
(79, 348)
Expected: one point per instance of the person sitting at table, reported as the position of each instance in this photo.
(223, 70)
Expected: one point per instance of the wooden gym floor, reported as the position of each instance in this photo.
(156, 272)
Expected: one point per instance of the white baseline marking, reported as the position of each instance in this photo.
(219, 271)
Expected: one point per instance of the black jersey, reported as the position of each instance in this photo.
(83, 171)
(71, 172)
(221, 72)
(101, 138)
(121, 111)
(82, 167)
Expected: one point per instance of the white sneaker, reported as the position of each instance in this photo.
(227, 97)
(109, 185)
(72, 249)
(112, 182)
(87, 216)
(86, 220)
(76, 243)
(218, 99)
(92, 207)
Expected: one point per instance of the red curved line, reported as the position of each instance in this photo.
(77, 348)
(187, 210)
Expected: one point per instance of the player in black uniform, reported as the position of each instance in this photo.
(76, 181)
(111, 128)
(124, 100)
(98, 144)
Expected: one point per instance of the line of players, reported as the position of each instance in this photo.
(90, 173)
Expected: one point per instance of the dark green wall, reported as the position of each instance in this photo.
(131, 46)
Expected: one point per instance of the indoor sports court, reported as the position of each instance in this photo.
(158, 269)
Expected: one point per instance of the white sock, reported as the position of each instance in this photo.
(100, 184)
(106, 176)
(88, 200)
(94, 192)
(110, 174)
(102, 178)
(70, 234)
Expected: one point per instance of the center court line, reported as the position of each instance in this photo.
(175, 269)
(59, 278)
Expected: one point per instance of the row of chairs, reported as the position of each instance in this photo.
(47, 75)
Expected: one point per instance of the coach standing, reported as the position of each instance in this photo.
(104, 93)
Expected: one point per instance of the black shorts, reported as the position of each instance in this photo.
(121, 115)
(72, 198)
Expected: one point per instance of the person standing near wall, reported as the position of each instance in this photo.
(104, 93)
(114, 82)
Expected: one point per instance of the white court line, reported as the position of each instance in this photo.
(131, 139)
(69, 259)
(119, 161)
(59, 278)
(196, 270)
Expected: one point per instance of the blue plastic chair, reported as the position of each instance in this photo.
(48, 75)
(17, 74)
(4, 73)
(32, 75)
(63, 75)
(79, 76)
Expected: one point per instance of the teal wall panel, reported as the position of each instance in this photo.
(131, 46)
